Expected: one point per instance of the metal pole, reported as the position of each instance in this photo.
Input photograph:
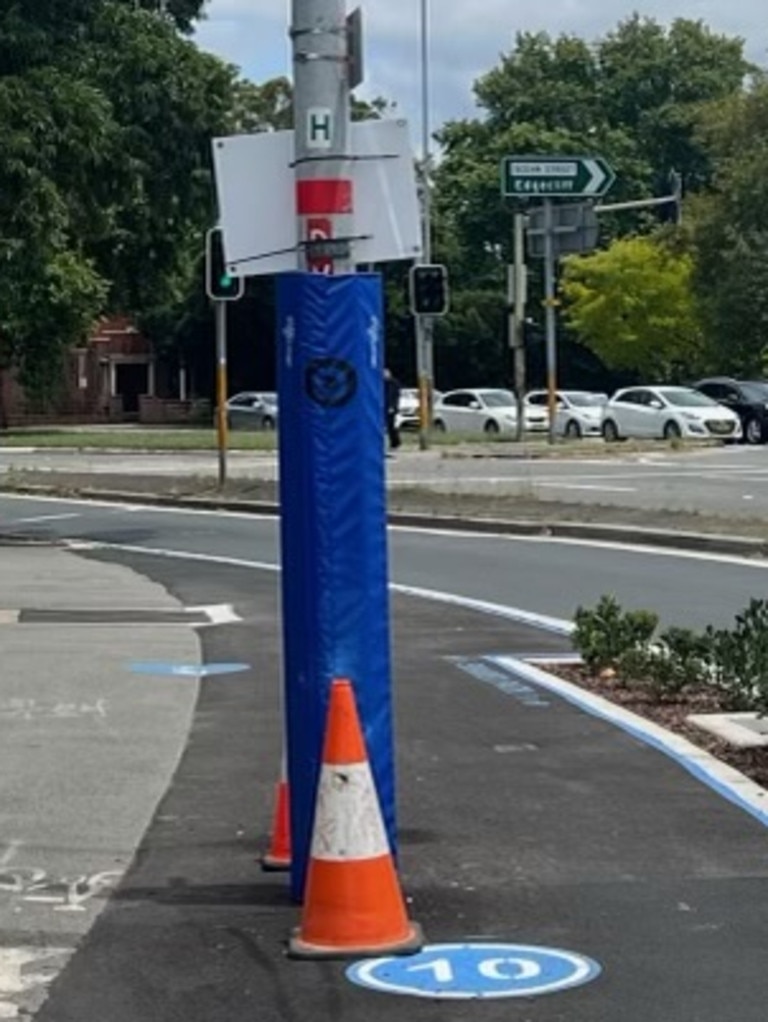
(517, 287)
(321, 105)
(424, 324)
(221, 387)
(549, 310)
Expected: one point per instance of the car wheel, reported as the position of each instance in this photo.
(573, 430)
(610, 431)
(753, 432)
(438, 426)
(268, 422)
(672, 431)
(491, 428)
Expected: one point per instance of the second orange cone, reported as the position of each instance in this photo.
(277, 858)
(353, 904)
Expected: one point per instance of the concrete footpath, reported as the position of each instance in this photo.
(133, 808)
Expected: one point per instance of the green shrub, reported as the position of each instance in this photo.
(605, 635)
(739, 659)
(679, 659)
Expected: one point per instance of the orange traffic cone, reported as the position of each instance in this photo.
(353, 904)
(278, 856)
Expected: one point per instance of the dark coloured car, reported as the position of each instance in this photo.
(748, 398)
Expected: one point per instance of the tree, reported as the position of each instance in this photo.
(730, 235)
(105, 183)
(633, 305)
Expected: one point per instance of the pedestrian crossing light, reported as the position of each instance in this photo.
(428, 290)
(220, 285)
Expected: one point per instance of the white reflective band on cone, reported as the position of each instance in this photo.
(348, 823)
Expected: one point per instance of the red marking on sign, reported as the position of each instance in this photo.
(323, 195)
(319, 229)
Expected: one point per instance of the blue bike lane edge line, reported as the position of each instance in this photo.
(724, 780)
(476, 971)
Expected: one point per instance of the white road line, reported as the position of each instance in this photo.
(589, 486)
(43, 518)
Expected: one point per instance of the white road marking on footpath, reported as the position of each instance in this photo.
(23, 989)
(10, 852)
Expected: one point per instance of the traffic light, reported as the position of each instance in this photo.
(220, 285)
(428, 290)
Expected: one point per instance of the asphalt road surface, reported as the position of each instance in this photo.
(522, 818)
(544, 576)
(727, 481)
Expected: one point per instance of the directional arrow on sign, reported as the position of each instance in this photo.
(555, 176)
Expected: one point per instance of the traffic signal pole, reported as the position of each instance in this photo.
(549, 313)
(220, 309)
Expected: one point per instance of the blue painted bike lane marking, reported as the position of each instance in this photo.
(186, 670)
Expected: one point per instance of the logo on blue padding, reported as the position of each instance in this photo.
(465, 971)
(330, 382)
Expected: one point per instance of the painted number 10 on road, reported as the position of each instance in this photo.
(483, 970)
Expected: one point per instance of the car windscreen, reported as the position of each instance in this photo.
(686, 398)
(581, 399)
(497, 398)
(755, 391)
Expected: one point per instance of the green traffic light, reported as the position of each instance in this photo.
(225, 280)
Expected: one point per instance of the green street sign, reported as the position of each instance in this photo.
(552, 177)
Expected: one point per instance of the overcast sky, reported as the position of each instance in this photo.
(466, 38)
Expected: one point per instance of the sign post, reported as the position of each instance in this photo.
(548, 178)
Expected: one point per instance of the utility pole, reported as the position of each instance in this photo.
(549, 312)
(517, 287)
(425, 324)
(324, 198)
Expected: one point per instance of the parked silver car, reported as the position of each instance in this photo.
(252, 409)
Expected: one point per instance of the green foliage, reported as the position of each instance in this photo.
(677, 660)
(730, 234)
(607, 634)
(739, 659)
(634, 97)
(106, 113)
(632, 303)
(734, 661)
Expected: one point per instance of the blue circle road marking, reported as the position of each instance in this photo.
(187, 670)
(464, 971)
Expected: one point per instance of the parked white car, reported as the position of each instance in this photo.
(578, 412)
(408, 412)
(668, 413)
(483, 410)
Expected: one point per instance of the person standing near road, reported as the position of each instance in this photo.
(391, 408)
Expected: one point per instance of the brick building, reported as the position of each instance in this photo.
(115, 377)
